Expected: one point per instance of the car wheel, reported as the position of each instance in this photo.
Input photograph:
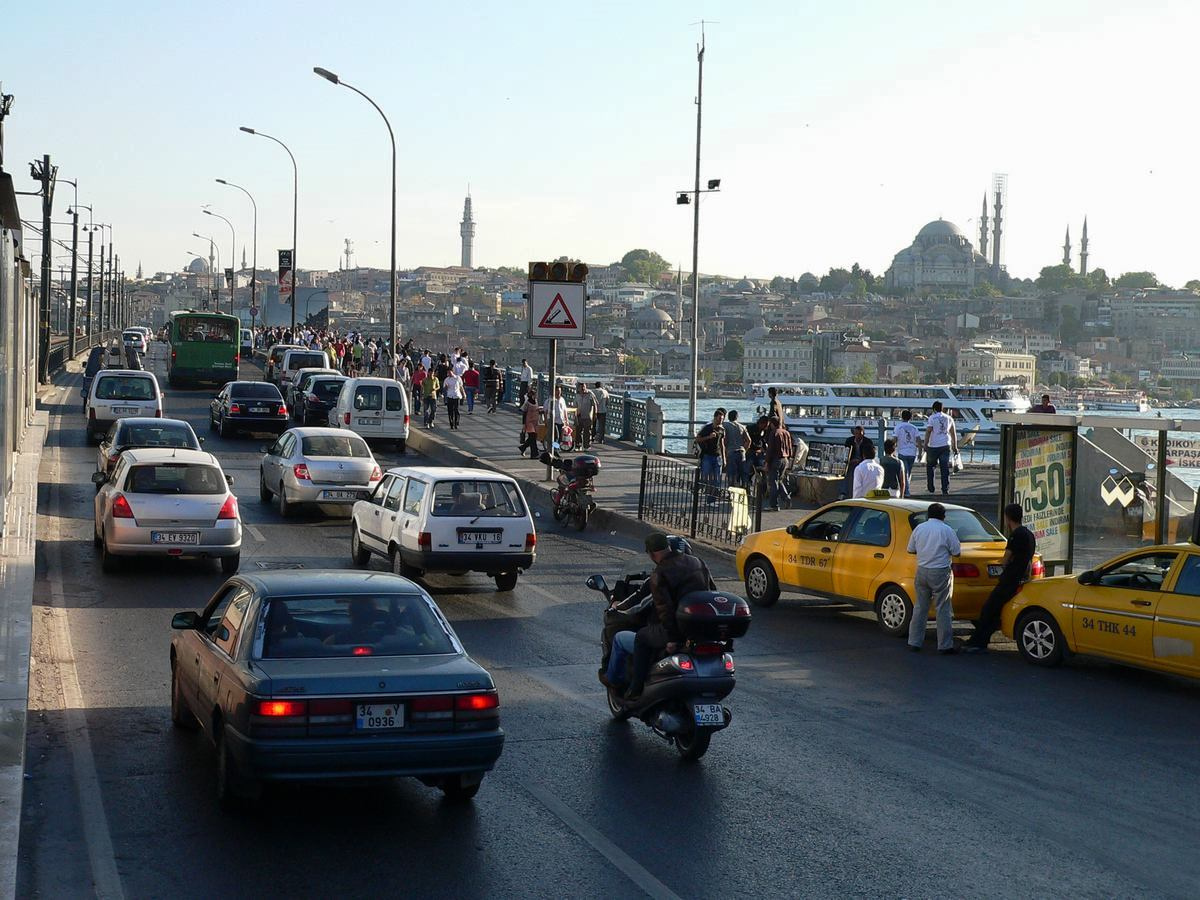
(285, 508)
(264, 492)
(506, 581)
(97, 540)
(762, 584)
(399, 567)
(108, 563)
(359, 555)
(401, 445)
(181, 713)
(212, 421)
(232, 789)
(223, 428)
(456, 791)
(1039, 638)
(229, 564)
(894, 610)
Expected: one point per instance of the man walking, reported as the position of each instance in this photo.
(868, 475)
(1017, 561)
(471, 383)
(430, 388)
(453, 391)
(556, 418)
(778, 455)
(908, 446)
(491, 385)
(895, 479)
(526, 380)
(711, 441)
(585, 414)
(776, 405)
(935, 544)
(941, 441)
(857, 445)
(601, 393)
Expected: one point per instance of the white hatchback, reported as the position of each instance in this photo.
(119, 394)
(373, 408)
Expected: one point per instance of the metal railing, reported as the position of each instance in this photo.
(675, 496)
(58, 352)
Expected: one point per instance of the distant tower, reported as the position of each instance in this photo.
(466, 230)
(1067, 248)
(348, 253)
(983, 223)
(679, 306)
(999, 191)
(243, 256)
(139, 272)
(1083, 249)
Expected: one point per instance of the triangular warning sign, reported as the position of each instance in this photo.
(558, 316)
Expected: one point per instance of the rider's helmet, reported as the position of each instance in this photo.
(679, 544)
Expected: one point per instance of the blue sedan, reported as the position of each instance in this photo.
(303, 675)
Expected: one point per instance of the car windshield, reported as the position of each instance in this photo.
(125, 387)
(254, 390)
(334, 445)
(306, 361)
(326, 389)
(967, 524)
(355, 625)
(139, 435)
(175, 478)
(488, 499)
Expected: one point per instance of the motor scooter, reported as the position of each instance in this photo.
(572, 496)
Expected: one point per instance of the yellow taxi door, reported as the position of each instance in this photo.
(863, 553)
(1177, 621)
(1114, 612)
(808, 550)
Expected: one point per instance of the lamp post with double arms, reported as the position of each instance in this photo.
(232, 253)
(254, 250)
(334, 79)
(88, 229)
(295, 207)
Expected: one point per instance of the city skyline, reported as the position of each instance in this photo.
(820, 167)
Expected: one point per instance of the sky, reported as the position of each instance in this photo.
(837, 130)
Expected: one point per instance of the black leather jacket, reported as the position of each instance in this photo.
(677, 574)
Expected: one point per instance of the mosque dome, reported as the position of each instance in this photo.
(745, 285)
(652, 315)
(198, 266)
(940, 228)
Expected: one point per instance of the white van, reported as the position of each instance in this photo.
(119, 394)
(294, 360)
(373, 408)
(247, 343)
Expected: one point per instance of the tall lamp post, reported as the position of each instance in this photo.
(102, 307)
(295, 202)
(88, 229)
(333, 79)
(212, 246)
(232, 252)
(254, 250)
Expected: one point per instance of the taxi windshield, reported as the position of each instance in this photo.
(969, 525)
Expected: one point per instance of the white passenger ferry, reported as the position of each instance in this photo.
(827, 412)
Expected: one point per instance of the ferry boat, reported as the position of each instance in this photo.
(1101, 400)
(827, 412)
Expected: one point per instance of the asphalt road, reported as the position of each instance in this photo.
(851, 767)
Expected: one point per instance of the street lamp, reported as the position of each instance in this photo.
(88, 229)
(104, 313)
(212, 246)
(295, 207)
(232, 252)
(254, 251)
(333, 79)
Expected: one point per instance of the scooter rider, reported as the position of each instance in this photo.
(675, 574)
(633, 610)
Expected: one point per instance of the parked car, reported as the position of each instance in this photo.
(856, 551)
(314, 397)
(246, 342)
(247, 406)
(317, 465)
(442, 519)
(160, 502)
(131, 434)
(274, 356)
(373, 408)
(95, 362)
(293, 361)
(290, 386)
(332, 674)
(136, 338)
(118, 394)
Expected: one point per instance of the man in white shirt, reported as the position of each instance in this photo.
(427, 361)
(908, 446)
(526, 379)
(460, 366)
(941, 441)
(556, 414)
(935, 543)
(868, 474)
(453, 390)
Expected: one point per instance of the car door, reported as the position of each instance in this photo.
(1114, 614)
(809, 549)
(410, 514)
(395, 412)
(222, 649)
(216, 408)
(1177, 621)
(105, 448)
(863, 553)
(370, 516)
(190, 670)
(390, 514)
(367, 414)
(279, 455)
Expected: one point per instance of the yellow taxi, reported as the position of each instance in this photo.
(856, 551)
(1140, 608)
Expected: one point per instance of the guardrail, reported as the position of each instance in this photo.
(674, 495)
(58, 352)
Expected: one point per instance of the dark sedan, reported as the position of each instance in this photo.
(316, 397)
(134, 433)
(250, 406)
(314, 675)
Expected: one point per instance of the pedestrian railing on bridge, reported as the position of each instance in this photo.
(674, 496)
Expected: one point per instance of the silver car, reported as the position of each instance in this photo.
(167, 502)
(317, 465)
(127, 434)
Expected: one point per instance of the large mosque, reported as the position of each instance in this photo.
(940, 258)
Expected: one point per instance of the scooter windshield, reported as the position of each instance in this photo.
(637, 567)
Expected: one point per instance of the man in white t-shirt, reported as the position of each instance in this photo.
(454, 391)
(941, 442)
(908, 446)
(525, 380)
(868, 474)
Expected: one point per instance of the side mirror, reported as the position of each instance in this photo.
(793, 531)
(185, 620)
(265, 448)
(229, 480)
(597, 583)
(1088, 577)
(200, 439)
(99, 478)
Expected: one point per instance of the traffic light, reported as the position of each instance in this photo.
(559, 270)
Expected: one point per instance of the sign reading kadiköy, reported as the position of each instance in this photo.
(1042, 484)
(1180, 451)
(556, 309)
(285, 273)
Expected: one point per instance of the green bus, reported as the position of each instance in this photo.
(204, 347)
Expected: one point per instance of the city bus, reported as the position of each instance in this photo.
(204, 347)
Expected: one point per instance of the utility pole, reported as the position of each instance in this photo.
(45, 174)
(100, 293)
(74, 282)
(111, 270)
(90, 323)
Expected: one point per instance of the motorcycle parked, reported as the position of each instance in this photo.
(572, 497)
(682, 694)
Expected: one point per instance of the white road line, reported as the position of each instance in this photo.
(254, 532)
(629, 867)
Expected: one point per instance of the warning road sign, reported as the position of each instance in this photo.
(556, 309)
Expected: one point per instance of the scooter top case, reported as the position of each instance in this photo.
(713, 616)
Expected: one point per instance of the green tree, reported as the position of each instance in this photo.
(835, 374)
(1098, 280)
(733, 349)
(864, 374)
(808, 282)
(1069, 329)
(1193, 285)
(985, 289)
(644, 266)
(1184, 395)
(1136, 280)
(835, 280)
(635, 365)
(1058, 280)
(858, 286)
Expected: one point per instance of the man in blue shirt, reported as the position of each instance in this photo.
(935, 544)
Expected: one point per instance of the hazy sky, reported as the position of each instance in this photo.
(838, 129)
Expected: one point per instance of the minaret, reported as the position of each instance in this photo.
(139, 274)
(983, 224)
(466, 230)
(679, 306)
(997, 217)
(243, 256)
(1067, 248)
(1083, 249)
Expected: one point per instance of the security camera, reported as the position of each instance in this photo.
(683, 199)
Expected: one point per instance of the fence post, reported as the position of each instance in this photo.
(642, 489)
(758, 498)
(695, 502)
(625, 413)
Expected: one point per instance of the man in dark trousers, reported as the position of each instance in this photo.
(857, 445)
(1017, 561)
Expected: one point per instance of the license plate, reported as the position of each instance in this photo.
(125, 410)
(339, 495)
(259, 409)
(479, 537)
(368, 421)
(175, 537)
(379, 716)
(995, 571)
(709, 714)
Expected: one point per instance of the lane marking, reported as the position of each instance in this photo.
(628, 866)
(254, 532)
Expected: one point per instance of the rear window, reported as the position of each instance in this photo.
(156, 436)
(175, 478)
(488, 499)
(335, 445)
(125, 387)
(967, 524)
(203, 329)
(133, 336)
(261, 390)
(326, 389)
(337, 626)
(312, 360)
(368, 396)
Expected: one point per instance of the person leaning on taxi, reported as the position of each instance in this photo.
(935, 543)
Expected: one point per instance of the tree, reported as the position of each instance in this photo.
(1069, 329)
(985, 289)
(635, 365)
(1184, 395)
(864, 374)
(835, 280)
(644, 266)
(733, 349)
(1098, 279)
(835, 374)
(1193, 285)
(858, 286)
(808, 282)
(781, 285)
(1136, 280)
(1058, 280)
